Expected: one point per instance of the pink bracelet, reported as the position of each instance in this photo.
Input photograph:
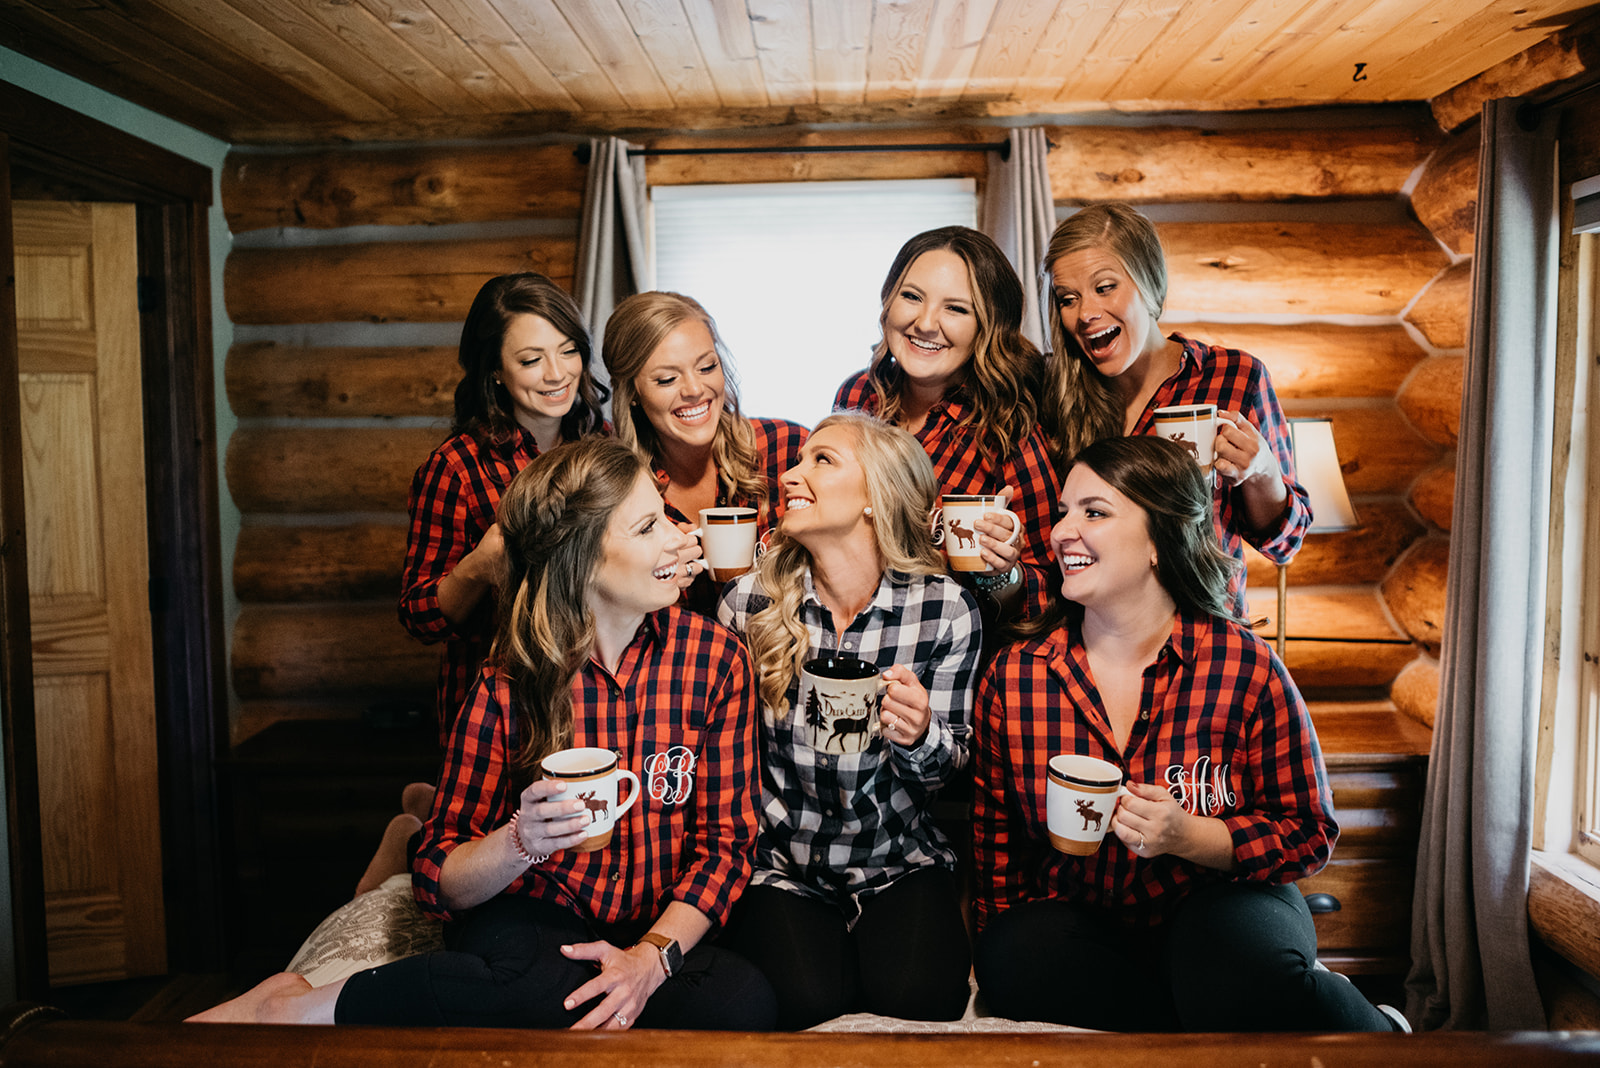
(516, 844)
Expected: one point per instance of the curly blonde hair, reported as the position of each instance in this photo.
(901, 489)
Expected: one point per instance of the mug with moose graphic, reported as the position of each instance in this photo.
(1194, 428)
(1081, 793)
(591, 776)
(839, 700)
(955, 527)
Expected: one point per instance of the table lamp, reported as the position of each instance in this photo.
(1316, 465)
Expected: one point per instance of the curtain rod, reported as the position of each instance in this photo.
(1002, 147)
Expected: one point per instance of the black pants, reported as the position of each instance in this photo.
(1235, 957)
(907, 955)
(503, 967)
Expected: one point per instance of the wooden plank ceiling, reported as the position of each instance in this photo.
(293, 70)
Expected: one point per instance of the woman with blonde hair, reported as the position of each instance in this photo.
(853, 904)
(1112, 369)
(677, 406)
(954, 369)
(592, 651)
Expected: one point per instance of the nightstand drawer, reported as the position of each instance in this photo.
(1374, 915)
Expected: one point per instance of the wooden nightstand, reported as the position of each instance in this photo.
(1377, 764)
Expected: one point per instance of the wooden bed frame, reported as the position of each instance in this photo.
(38, 1036)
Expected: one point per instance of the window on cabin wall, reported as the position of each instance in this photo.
(1587, 435)
(791, 274)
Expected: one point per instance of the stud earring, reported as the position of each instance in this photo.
(867, 510)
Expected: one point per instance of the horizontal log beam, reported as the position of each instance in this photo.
(1415, 591)
(329, 651)
(1434, 495)
(1174, 164)
(1566, 55)
(1297, 267)
(1446, 196)
(1442, 313)
(416, 281)
(357, 562)
(1325, 614)
(401, 186)
(1343, 666)
(1380, 453)
(1415, 691)
(1320, 360)
(254, 717)
(312, 469)
(1431, 399)
(1362, 555)
(266, 379)
(719, 169)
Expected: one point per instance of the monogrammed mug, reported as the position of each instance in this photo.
(1081, 793)
(591, 776)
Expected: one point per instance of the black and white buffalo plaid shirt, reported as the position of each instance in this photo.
(842, 826)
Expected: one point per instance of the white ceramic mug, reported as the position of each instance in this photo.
(728, 540)
(591, 775)
(1081, 793)
(955, 527)
(840, 698)
(1192, 426)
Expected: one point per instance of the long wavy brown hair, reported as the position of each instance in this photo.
(553, 518)
(483, 406)
(1166, 484)
(1003, 374)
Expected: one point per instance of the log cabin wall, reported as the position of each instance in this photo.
(354, 266)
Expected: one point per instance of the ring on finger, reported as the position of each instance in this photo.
(622, 1021)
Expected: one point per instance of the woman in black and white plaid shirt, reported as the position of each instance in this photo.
(853, 905)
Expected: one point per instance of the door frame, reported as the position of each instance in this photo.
(51, 152)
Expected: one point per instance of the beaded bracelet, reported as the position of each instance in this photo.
(516, 844)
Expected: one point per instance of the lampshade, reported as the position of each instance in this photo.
(1316, 465)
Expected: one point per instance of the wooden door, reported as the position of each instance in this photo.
(88, 583)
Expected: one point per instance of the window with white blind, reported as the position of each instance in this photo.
(791, 274)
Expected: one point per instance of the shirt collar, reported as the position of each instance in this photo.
(1187, 631)
(889, 598)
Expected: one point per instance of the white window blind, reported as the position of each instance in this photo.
(791, 274)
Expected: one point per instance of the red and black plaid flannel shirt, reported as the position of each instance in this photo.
(778, 443)
(680, 711)
(1223, 728)
(961, 464)
(1237, 382)
(453, 498)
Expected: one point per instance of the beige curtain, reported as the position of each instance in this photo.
(1469, 940)
(1019, 214)
(614, 258)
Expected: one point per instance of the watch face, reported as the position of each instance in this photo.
(673, 957)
